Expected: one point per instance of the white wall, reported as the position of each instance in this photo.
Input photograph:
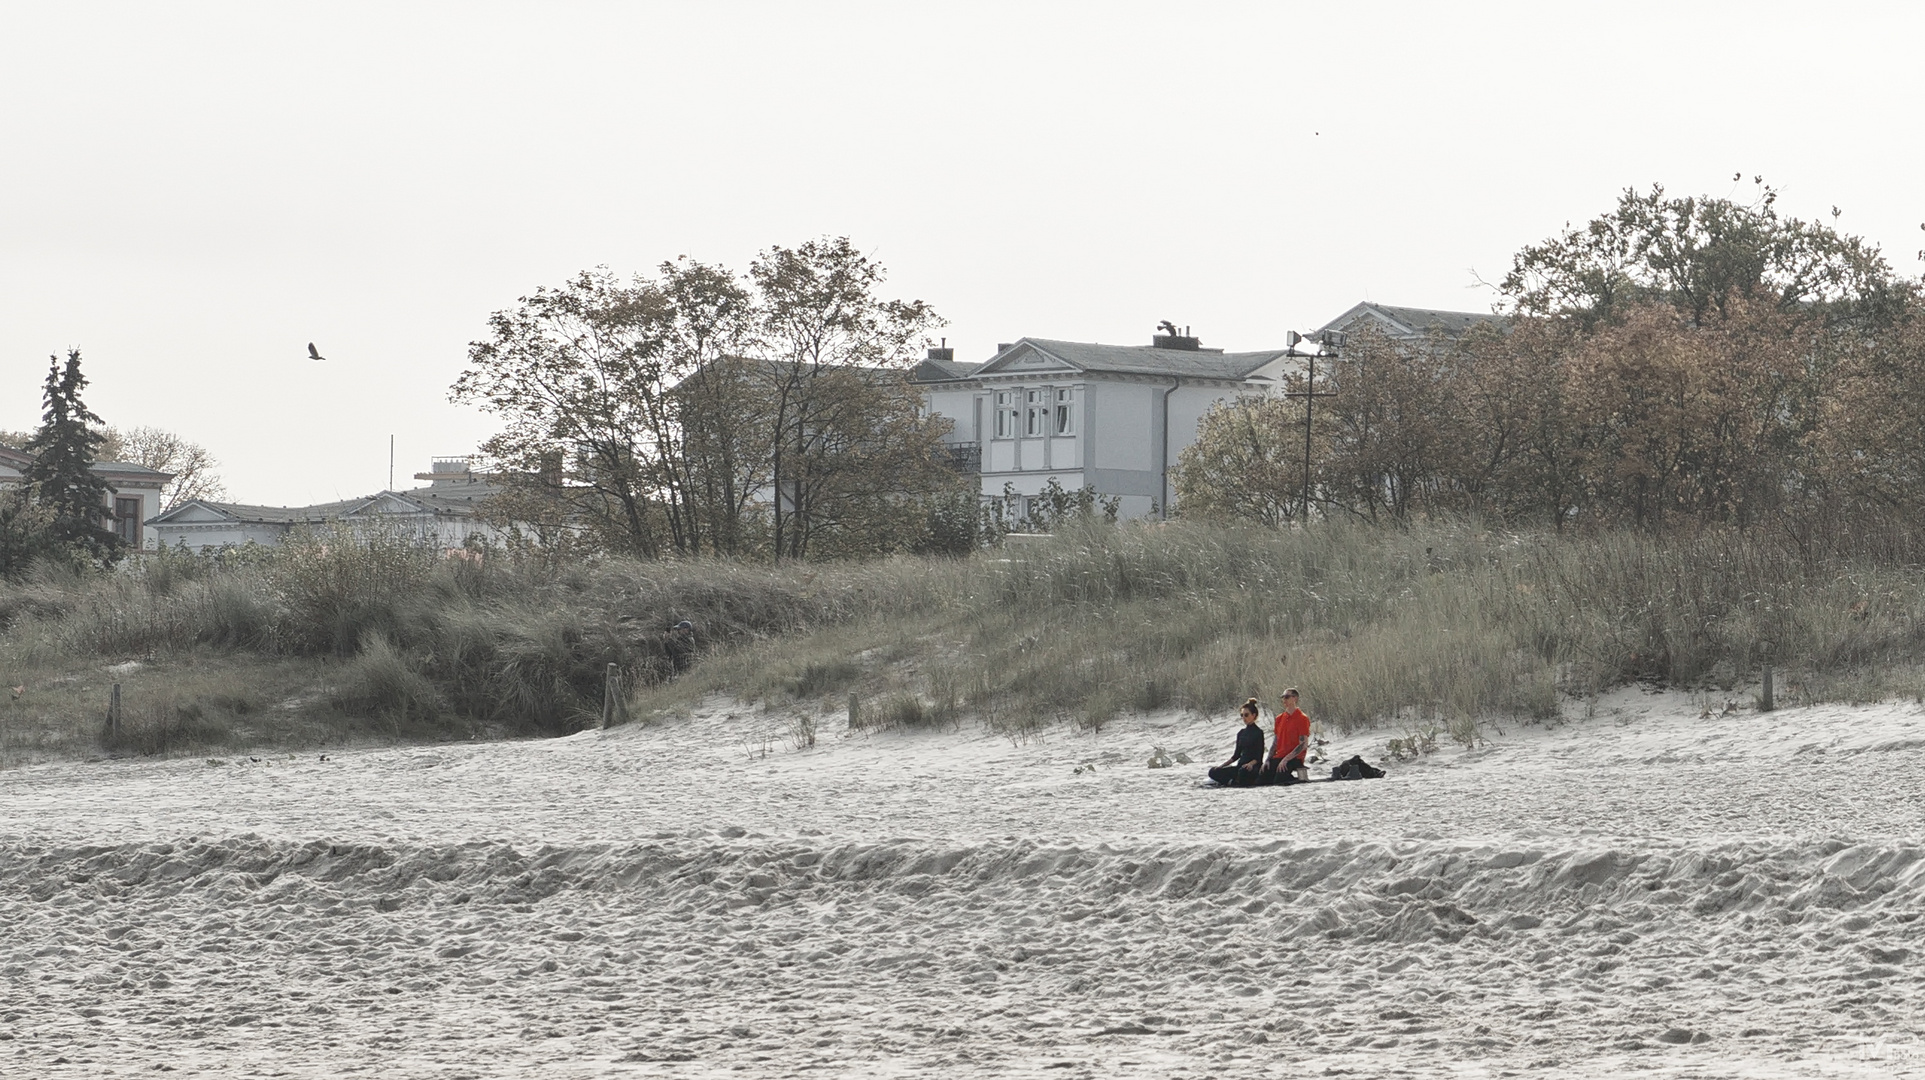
(1125, 426)
(959, 405)
(216, 536)
(1187, 406)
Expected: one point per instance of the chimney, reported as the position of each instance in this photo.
(942, 352)
(1174, 340)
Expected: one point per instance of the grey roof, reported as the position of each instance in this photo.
(1144, 359)
(1410, 322)
(248, 514)
(20, 458)
(940, 370)
(127, 468)
(459, 501)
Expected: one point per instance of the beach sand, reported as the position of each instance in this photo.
(1636, 890)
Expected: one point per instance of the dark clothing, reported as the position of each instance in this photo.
(1246, 770)
(1235, 775)
(1249, 744)
(1281, 772)
(680, 648)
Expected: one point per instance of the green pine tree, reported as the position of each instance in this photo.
(61, 478)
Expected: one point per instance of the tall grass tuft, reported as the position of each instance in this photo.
(1442, 626)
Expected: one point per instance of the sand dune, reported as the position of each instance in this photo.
(1640, 891)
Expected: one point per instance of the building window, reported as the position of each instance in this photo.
(127, 521)
(1005, 414)
(1065, 413)
(1036, 424)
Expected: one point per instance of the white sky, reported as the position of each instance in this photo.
(191, 193)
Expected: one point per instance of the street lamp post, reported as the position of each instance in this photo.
(1332, 339)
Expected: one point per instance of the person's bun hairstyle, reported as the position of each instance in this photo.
(1251, 704)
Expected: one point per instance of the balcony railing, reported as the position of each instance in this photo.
(964, 457)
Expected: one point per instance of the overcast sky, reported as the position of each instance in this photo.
(192, 193)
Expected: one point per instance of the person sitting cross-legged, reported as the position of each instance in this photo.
(1245, 765)
(1290, 745)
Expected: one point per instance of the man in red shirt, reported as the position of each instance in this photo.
(1291, 743)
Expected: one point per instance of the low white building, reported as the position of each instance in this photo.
(1112, 418)
(444, 514)
(133, 494)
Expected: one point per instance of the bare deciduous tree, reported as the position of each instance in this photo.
(189, 462)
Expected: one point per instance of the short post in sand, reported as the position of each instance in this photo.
(614, 704)
(113, 712)
(1765, 702)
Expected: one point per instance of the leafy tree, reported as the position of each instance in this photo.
(25, 533)
(1246, 465)
(717, 409)
(60, 478)
(1392, 437)
(579, 376)
(1515, 461)
(662, 415)
(1867, 446)
(874, 470)
(817, 313)
(1675, 423)
(191, 466)
(1699, 255)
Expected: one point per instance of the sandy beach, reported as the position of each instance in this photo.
(1639, 889)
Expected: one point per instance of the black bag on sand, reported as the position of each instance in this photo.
(1355, 769)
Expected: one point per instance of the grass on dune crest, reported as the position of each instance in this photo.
(1436, 628)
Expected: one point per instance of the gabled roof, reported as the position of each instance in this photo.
(1409, 322)
(246, 514)
(1130, 360)
(942, 370)
(19, 460)
(462, 501)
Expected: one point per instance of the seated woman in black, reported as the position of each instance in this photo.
(1244, 765)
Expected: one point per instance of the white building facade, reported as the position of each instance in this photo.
(133, 494)
(1111, 418)
(444, 514)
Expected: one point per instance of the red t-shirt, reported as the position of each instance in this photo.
(1293, 727)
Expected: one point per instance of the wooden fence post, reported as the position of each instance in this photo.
(614, 704)
(113, 712)
(1765, 703)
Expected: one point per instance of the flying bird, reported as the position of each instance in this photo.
(314, 353)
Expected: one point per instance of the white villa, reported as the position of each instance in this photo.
(445, 514)
(1114, 418)
(1108, 417)
(133, 494)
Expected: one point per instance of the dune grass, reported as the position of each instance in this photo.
(1434, 630)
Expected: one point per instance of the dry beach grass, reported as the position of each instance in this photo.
(973, 875)
(1431, 631)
